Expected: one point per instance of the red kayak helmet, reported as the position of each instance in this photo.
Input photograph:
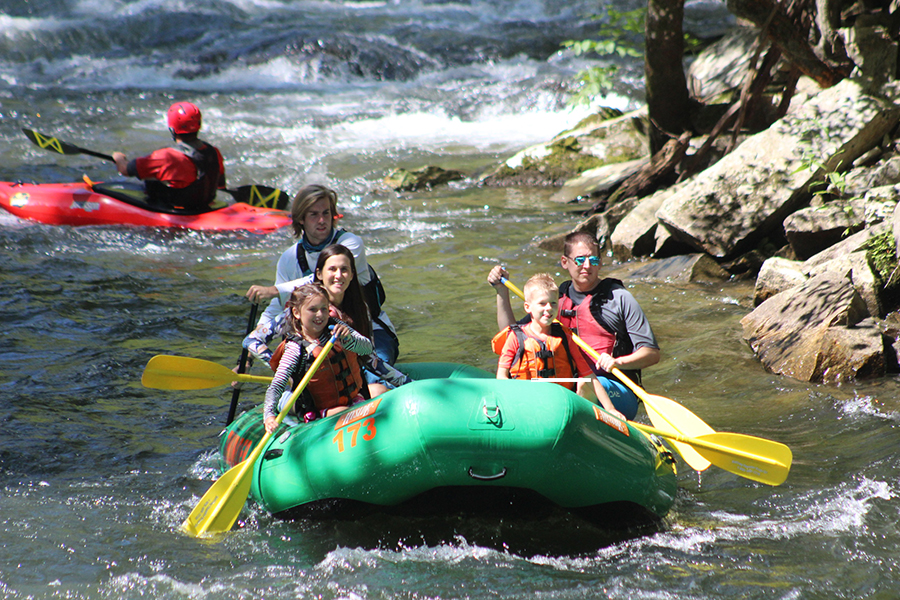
(183, 117)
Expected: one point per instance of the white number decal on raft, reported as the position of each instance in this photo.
(352, 421)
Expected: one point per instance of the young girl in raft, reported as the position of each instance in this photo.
(337, 383)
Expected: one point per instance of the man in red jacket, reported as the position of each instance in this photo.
(185, 176)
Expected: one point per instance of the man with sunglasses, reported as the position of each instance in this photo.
(602, 312)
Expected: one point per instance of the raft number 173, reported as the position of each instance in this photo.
(352, 421)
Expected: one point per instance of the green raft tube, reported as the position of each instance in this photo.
(456, 427)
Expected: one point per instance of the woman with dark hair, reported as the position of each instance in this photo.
(336, 272)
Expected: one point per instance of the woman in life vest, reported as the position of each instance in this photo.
(314, 217)
(337, 383)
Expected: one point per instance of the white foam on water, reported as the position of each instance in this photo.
(867, 406)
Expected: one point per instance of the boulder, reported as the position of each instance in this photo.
(635, 234)
(775, 276)
(850, 244)
(870, 47)
(811, 230)
(819, 331)
(858, 181)
(405, 180)
(598, 181)
(722, 67)
(686, 268)
(595, 225)
(593, 143)
(731, 206)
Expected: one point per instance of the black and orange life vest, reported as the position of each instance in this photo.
(337, 381)
(536, 358)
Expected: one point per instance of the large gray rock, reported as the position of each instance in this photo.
(722, 66)
(634, 235)
(870, 46)
(597, 181)
(687, 268)
(850, 244)
(849, 257)
(862, 179)
(732, 205)
(813, 229)
(777, 275)
(596, 141)
(816, 332)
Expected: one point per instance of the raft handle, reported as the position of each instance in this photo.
(490, 417)
(499, 475)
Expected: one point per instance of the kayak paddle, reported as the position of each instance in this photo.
(242, 365)
(220, 506)
(260, 196)
(667, 416)
(166, 372)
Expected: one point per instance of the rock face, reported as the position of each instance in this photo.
(818, 331)
(607, 139)
(735, 203)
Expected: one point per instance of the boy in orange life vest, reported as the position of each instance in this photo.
(541, 348)
(602, 312)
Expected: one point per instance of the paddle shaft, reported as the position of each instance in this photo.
(242, 365)
(248, 463)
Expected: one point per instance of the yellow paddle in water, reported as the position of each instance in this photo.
(220, 506)
(687, 432)
(165, 372)
(751, 457)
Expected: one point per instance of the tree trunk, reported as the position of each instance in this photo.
(790, 36)
(668, 102)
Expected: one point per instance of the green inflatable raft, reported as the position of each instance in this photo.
(456, 427)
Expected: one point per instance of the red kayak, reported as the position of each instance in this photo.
(126, 204)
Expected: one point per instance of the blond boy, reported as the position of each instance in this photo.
(541, 347)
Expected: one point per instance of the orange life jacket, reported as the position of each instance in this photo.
(536, 358)
(338, 380)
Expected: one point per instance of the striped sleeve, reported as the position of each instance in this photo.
(290, 365)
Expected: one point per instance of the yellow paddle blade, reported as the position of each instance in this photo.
(751, 457)
(755, 458)
(222, 503)
(165, 372)
(693, 459)
(220, 506)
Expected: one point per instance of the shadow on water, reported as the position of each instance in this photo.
(505, 519)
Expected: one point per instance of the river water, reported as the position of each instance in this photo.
(97, 472)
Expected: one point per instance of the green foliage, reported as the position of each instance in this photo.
(621, 34)
(882, 257)
(832, 187)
